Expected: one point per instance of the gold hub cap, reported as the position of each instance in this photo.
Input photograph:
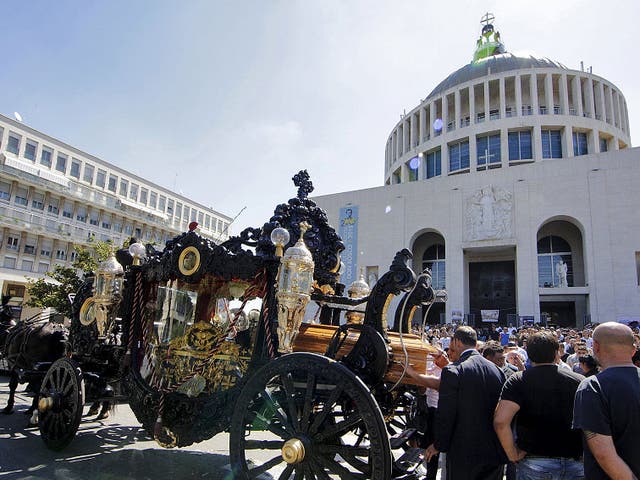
(293, 451)
(45, 404)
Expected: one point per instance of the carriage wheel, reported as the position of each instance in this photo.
(306, 416)
(61, 402)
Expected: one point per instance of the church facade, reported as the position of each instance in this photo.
(515, 182)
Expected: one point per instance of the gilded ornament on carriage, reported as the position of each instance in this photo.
(189, 261)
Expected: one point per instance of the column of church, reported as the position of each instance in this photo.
(504, 131)
(537, 131)
(548, 93)
(576, 100)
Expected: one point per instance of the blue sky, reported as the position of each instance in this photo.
(226, 100)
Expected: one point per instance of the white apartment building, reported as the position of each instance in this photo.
(54, 196)
(514, 181)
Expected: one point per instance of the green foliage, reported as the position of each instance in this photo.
(44, 293)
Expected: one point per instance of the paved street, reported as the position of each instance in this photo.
(116, 448)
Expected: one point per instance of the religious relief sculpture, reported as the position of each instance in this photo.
(488, 214)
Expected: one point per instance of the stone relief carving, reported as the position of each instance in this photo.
(488, 214)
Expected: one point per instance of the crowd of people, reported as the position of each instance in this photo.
(532, 403)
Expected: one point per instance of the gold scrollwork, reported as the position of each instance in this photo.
(189, 261)
(87, 312)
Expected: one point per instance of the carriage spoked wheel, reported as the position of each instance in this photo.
(306, 416)
(61, 403)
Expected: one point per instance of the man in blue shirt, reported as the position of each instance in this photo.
(607, 407)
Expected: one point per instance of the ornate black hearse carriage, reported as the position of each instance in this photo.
(301, 400)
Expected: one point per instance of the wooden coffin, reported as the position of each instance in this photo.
(315, 338)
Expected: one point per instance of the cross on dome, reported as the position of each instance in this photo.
(487, 18)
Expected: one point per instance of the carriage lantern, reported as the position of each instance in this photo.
(108, 285)
(280, 237)
(138, 251)
(295, 277)
(357, 289)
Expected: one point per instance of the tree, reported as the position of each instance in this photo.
(44, 293)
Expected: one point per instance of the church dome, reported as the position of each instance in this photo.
(503, 110)
(504, 62)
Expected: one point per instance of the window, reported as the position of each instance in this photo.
(551, 144)
(434, 260)
(169, 205)
(27, 265)
(74, 256)
(53, 206)
(9, 262)
(13, 145)
(520, 145)
(396, 178)
(106, 223)
(37, 201)
(124, 187)
(579, 143)
(153, 199)
(67, 210)
(178, 210)
(61, 163)
(604, 144)
(61, 255)
(43, 267)
(93, 218)
(117, 227)
(488, 149)
(88, 173)
(30, 151)
(45, 157)
(30, 249)
(412, 168)
(434, 167)
(555, 268)
(75, 169)
(186, 213)
(128, 229)
(133, 193)
(12, 243)
(81, 214)
(5, 190)
(143, 195)
(207, 222)
(459, 156)
(101, 178)
(113, 180)
(20, 197)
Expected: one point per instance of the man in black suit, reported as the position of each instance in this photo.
(469, 392)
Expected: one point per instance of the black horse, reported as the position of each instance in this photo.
(30, 348)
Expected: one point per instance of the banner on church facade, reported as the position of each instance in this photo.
(349, 233)
(490, 315)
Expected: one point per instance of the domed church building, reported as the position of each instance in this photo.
(515, 183)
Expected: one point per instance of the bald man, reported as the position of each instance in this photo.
(607, 407)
